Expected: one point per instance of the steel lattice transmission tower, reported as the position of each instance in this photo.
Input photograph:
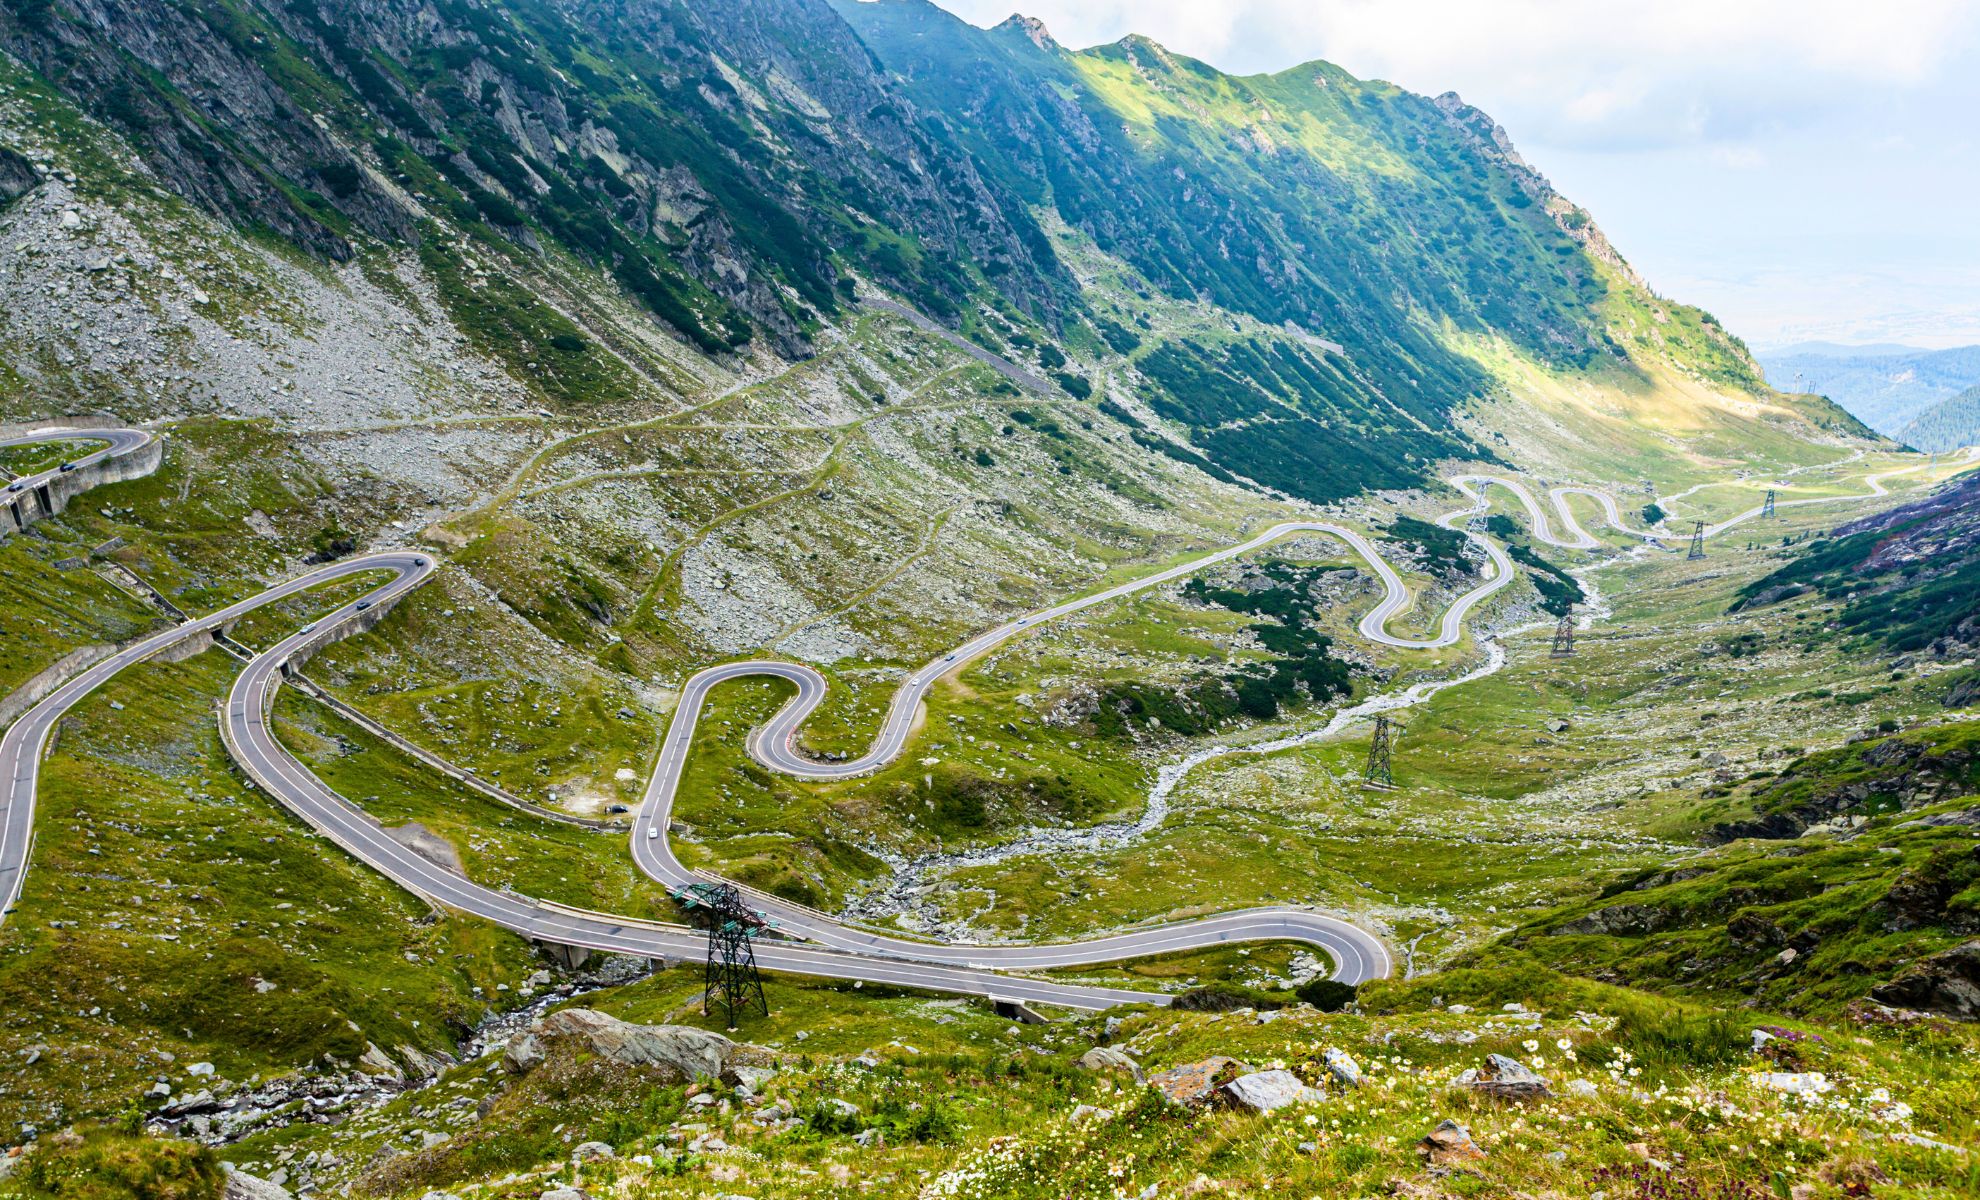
(733, 982)
(1377, 773)
(1767, 508)
(1564, 634)
(1697, 541)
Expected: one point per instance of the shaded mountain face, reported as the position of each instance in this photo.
(725, 164)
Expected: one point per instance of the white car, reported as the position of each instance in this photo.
(653, 833)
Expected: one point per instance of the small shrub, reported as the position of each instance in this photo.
(1327, 995)
(104, 1163)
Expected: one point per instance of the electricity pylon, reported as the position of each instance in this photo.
(1377, 773)
(1697, 541)
(732, 979)
(1564, 634)
(1767, 508)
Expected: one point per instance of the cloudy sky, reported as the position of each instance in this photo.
(1807, 169)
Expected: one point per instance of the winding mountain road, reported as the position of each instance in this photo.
(834, 950)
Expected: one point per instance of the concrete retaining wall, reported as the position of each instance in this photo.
(63, 669)
(135, 465)
(52, 498)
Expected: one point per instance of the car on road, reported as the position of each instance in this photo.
(652, 832)
(17, 485)
(949, 658)
(309, 628)
(68, 466)
(363, 604)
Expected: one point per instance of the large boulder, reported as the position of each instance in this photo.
(1947, 983)
(678, 1051)
(1264, 1091)
(1194, 1084)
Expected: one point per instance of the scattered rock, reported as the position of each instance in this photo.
(753, 1078)
(1341, 1067)
(1091, 1112)
(1107, 1059)
(565, 1193)
(242, 1186)
(1799, 1083)
(1449, 1143)
(1265, 1091)
(1195, 1083)
(1507, 1078)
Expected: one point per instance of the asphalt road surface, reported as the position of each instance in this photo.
(835, 950)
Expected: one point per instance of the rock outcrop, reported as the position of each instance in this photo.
(1106, 1059)
(677, 1051)
(1947, 983)
(1194, 1084)
(17, 176)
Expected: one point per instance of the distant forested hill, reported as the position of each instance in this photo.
(1885, 387)
(1947, 425)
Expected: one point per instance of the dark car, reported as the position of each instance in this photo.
(68, 466)
(363, 604)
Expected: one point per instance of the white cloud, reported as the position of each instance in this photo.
(1739, 158)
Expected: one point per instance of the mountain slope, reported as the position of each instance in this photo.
(1400, 233)
(725, 164)
(1910, 576)
(1948, 425)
